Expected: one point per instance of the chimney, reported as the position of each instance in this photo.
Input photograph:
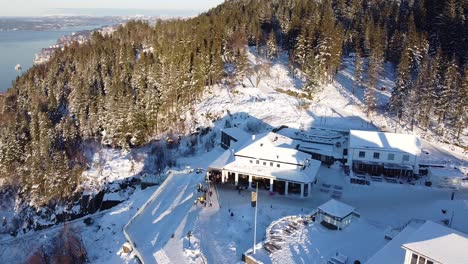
(253, 137)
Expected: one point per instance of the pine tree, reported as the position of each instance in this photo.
(358, 70)
(376, 57)
(370, 100)
(402, 86)
(460, 105)
(272, 46)
(424, 86)
(449, 88)
(301, 50)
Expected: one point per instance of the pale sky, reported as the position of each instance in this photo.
(45, 7)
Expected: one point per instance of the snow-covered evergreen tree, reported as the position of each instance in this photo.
(424, 88)
(301, 50)
(358, 70)
(460, 107)
(370, 100)
(272, 46)
(402, 86)
(448, 90)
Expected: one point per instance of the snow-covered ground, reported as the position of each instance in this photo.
(111, 165)
(160, 232)
(222, 238)
(313, 243)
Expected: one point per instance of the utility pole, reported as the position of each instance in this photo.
(159, 175)
(451, 219)
(189, 234)
(255, 224)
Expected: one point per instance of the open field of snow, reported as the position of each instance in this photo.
(166, 219)
(314, 243)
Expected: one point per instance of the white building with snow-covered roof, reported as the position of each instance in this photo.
(387, 154)
(326, 145)
(271, 160)
(424, 243)
(434, 243)
(335, 214)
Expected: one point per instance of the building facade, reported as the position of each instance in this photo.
(271, 161)
(386, 154)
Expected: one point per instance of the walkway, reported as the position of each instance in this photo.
(158, 230)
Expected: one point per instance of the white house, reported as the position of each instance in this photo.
(434, 243)
(424, 243)
(387, 154)
(271, 160)
(335, 214)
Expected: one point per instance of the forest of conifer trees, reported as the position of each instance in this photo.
(133, 86)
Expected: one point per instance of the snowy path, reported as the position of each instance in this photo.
(169, 212)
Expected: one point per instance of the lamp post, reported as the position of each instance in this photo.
(189, 234)
(159, 174)
(255, 224)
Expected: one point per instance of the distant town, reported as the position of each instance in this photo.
(55, 22)
(81, 37)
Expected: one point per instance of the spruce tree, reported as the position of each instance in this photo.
(272, 46)
(358, 70)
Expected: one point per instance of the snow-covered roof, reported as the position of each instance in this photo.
(113, 197)
(439, 243)
(237, 133)
(223, 159)
(273, 147)
(306, 175)
(317, 135)
(390, 141)
(392, 251)
(327, 150)
(336, 208)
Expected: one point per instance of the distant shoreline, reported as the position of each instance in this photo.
(106, 13)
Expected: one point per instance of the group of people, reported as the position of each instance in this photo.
(203, 197)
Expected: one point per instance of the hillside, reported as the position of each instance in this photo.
(255, 109)
(387, 63)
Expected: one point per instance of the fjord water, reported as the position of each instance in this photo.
(19, 47)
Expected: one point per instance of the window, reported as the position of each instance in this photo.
(264, 163)
(376, 155)
(277, 165)
(251, 161)
(271, 164)
(429, 262)
(414, 259)
(421, 260)
(405, 157)
(391, 156)
(362, 154)
(258, 162)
